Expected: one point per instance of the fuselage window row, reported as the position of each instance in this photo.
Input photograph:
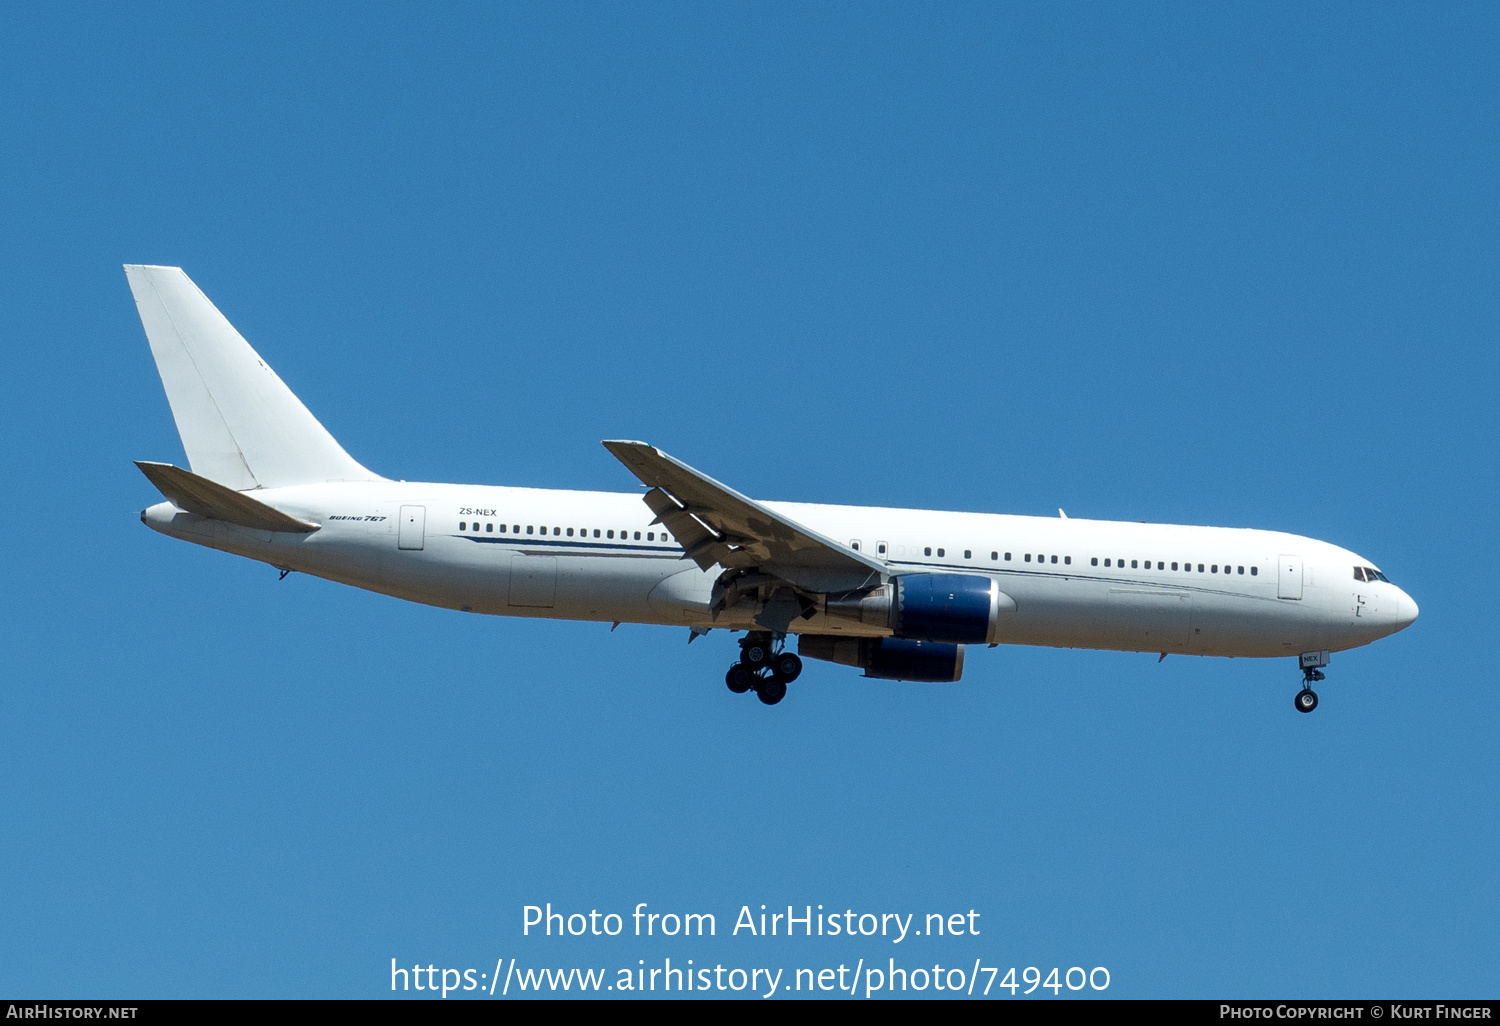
(557, 532)
(996, 556)
(1360, 573)
(1212, 568)
(1067, 560)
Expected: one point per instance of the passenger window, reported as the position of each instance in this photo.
(596, 532)
(1188, 567)
(528, 528)
(1028, 557)
(489, 528)
(515, 529)
(1133, 564)
(994, 555)
(968, 554)
(611, 534)
(880, 548)
(1214, 568)
(1200, 568)
(1068, 560)
(502, 528)
(1174, 566)
(1254, 571)
(854, 544)
(1094, 561)
(927, 552)
(1054, 559)
(570, 532)
(941, 552)
(1241, 570)
(1106, 562)
(463, 525)
(1007, 557)
(650, 536)
(637, 536)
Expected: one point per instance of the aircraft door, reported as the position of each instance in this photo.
(411, 532)
(1289, 577)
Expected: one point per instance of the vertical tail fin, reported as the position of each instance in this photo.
(240, 425)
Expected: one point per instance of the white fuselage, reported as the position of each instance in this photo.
(1075, 583)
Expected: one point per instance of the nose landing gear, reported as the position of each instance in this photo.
(763, 667)
(1312, 664)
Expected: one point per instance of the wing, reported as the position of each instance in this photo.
(718, 525)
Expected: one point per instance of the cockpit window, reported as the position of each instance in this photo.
(1359, 573)
(1369, 573)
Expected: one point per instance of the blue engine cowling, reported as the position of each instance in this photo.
(901, 659)
(888, 658)
(958, 609)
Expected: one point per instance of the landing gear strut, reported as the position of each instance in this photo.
(764, 667)
(1312, 664)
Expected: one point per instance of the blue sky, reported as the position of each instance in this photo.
(1206, 265)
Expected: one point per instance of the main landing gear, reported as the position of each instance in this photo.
(763, 667)
(1312, 664)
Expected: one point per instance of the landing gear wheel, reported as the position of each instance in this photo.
(755, 653)
(771, 690)
(739, 678)
(786, 667)
(1306, 700)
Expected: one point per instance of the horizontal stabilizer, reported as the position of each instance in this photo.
(210, 499)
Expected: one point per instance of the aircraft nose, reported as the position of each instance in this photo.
(1406, 610)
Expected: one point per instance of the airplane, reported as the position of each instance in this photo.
(898, 593)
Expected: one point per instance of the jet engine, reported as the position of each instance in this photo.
(957, 609)
(888, 658)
